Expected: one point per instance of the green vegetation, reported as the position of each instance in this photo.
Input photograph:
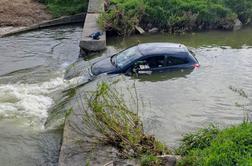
(243, 9)
(108, 114)
(211, 146)
(65, 7)
(150, 160)
(175, 15)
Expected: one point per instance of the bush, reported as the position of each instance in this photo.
(172, 15)
(232, 146)
(188, 15)
(107, 113)
(122, 17)
(243, 8)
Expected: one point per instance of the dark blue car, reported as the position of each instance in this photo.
(148, 57)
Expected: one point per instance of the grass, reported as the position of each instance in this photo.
(119, 126)
(65, 7)
(199, 140)
(150, 160)
(211, 146)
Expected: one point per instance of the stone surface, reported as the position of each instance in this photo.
(91, 26)
(153, 30)
(96, 6)
(80, 144)
(87, 44)
(237, 25)
(9, 29)
(169, 160)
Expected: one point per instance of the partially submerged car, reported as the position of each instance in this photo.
(148, 57)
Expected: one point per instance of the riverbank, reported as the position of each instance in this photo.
(98, 132)
(205, 99)
(20, 13)
(17, 15)
(38, 14)
(212, 146)
(122, 17)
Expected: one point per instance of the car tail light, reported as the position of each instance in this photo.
(196, 65)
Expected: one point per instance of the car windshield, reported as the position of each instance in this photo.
(125, 57)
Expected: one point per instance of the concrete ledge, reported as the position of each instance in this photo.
(80, 145)
(91, 26)
(96, 6)
(45, 24)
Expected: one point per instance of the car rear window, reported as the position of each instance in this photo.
(172, 60)
(156, 61)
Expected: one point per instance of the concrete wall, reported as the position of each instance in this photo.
(88, 44)
(78, 18)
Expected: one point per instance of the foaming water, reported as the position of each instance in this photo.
(31, 101)
(31, 81)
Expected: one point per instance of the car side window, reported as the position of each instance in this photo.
(172, 61)
(151, 63)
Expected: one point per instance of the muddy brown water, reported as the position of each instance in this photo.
(32, 70)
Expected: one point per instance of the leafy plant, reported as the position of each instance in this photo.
(172, 16)
(243, 8)
(107, 113)
(122, 16)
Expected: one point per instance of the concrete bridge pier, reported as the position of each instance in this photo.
(87, 44)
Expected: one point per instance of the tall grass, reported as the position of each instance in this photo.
(106, 111)
(244, 106)
(228, 147)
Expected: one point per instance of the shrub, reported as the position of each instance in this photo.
(107, 113)
(243, 8)
(122, 16)
(187, 15)
(172, 15)
(231, 146)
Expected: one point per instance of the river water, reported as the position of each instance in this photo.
(32, 68)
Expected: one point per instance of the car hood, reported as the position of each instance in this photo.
(102, 66)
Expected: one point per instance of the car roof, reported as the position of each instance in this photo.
(161, 48)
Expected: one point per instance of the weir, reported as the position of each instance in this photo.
(87, 44)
